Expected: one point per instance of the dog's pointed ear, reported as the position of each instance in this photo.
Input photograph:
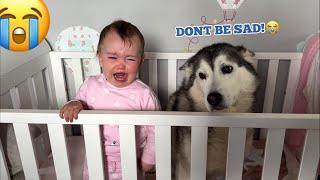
(244, 51)
(246, 54)
(184, 66)
(187, 67)
(188, 63)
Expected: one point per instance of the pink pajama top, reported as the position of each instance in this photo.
(99, 94)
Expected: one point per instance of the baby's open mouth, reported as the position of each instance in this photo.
(120, 76)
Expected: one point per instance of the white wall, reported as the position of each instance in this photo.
(157, 19)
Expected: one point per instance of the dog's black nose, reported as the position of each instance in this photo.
(214, 98)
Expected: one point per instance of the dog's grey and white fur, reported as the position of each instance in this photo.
(218, 78)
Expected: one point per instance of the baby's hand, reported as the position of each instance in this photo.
(71, 110)
(146, 167)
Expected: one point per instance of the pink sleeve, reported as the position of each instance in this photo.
(150, 101)
(151, 104)
(82, 93)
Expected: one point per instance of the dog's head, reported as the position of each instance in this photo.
(220, 73)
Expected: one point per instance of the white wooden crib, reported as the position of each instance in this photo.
(54, 79)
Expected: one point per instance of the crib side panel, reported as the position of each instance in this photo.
(310, 156)
(27, 151)
(4, 173)
(77, 73)
(279, 91)
(93, 151)
(273, 93)
(153, 75)
(42, 91)
(273, 152)
(163, 68)
(172, 61)
(27, 84)
(76, 68)
(80, 70)
(67, 73)
(128, 152)
(59, 151)
(25, 88)
(235, 153)
(127, 121)
(58, 79)
(273, 62)
(273, 87)
(172, 76)
(163, 151)
(293, 78)
(69, 70)
(199, 138)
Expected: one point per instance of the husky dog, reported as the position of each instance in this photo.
(218, 78)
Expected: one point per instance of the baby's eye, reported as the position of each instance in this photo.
(112, 57)
(131, 59)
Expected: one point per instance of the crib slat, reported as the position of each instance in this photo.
(235, 153)
(310, 156)
(294, 72)
(46, 81)
(199, 138)
(271, 85)
(172, 76)
(270, 90)
(4, 173)
(33, 93)
(153, 75)
(90, 67)
(59, 151)
(19, 74)
(26, 150)
(128, 153)
(75, 65)
(163, 152)
(14, 94)
(93, 151)
(58, 79)
(273, 153)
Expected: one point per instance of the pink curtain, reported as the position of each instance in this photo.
(295, 137)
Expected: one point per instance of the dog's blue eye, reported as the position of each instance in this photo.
(202, 76)
(226, 69)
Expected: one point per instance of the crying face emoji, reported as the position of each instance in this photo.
(23, 24)
(273, 27)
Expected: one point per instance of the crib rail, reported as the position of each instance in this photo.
(163, 121)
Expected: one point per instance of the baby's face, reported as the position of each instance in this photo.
(119, 60)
